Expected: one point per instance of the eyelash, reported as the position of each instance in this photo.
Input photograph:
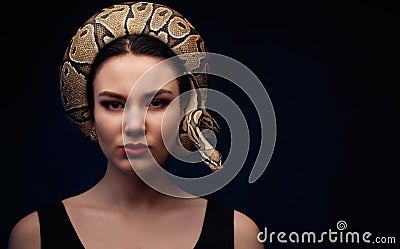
(108, 104)
(159, 101)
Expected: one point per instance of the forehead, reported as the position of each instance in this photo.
(140, 73)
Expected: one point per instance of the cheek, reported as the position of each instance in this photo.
(169, 125)
(107, 127)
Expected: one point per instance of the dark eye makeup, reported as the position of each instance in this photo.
(114, 105)
(158, 103)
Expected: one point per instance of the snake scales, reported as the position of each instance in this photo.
(144, 18)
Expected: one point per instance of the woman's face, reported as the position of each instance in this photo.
(129, 129)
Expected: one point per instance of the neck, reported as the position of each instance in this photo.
(126, 190)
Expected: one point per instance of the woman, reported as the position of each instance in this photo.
(107, 58)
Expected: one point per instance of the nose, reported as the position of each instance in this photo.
(134, 122)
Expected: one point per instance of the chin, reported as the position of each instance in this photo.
(141, 164)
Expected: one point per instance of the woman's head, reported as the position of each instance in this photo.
(150, 30)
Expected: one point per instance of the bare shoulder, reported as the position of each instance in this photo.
(245, 232)
(25, 233)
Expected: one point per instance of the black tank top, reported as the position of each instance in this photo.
(57, 232)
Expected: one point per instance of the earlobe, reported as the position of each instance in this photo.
(93, 133)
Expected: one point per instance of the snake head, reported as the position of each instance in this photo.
(213, 159)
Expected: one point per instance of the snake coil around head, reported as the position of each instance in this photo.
(137, 18)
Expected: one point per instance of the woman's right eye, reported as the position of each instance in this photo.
(112, 105)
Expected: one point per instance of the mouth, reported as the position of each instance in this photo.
(132, 149)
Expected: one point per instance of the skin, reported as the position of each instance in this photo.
(121, 206)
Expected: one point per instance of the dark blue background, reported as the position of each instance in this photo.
(330, 68)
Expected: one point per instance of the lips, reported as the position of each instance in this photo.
(132, 149)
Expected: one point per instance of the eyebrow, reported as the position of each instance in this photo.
(112, 95)
(148, 95)
(158, 92)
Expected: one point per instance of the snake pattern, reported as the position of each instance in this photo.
(140, 18)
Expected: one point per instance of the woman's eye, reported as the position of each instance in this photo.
(112, 105)
(157, 103)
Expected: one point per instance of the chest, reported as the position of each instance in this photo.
(176, 231)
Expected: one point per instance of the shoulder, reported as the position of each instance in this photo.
(245, 232)
(25, 233)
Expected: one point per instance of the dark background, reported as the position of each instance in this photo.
(330, 68)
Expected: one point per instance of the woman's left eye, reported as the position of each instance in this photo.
(157, 103)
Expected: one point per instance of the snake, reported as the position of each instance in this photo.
(141, 18)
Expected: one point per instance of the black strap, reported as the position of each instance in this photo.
(56, 229)
(217, 232)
